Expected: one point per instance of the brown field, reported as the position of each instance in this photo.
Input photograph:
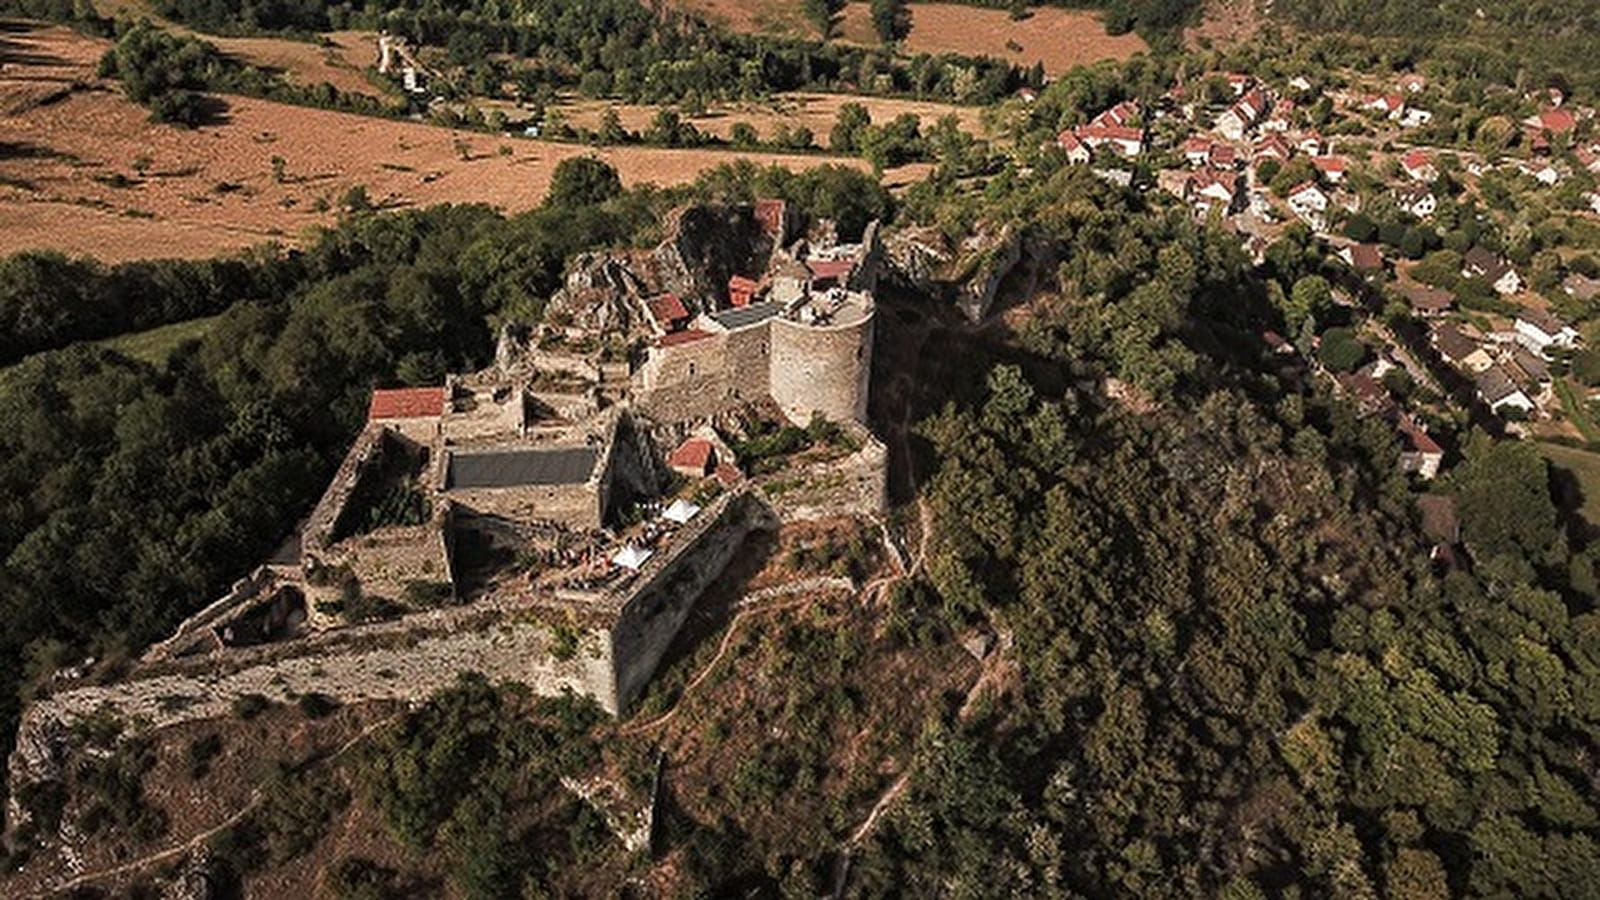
(1059, 38)
(342, 65)
(814, 111)
(70, 163)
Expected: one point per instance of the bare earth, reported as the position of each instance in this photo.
(1058, 38)
(212, 190)
(817, 112)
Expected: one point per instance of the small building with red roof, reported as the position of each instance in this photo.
(668, 312)
(742, 291)
(694, 458)
(413, 412)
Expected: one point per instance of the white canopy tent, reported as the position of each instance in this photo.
(680, 511)
(631, 557)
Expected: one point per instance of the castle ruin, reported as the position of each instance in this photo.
(551, 520)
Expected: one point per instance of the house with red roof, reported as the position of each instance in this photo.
(1419, 453)
(1077, 150)
(414, 412)
(668, 313)
(1330, 167)
(1123, 139)
(742, 291)
(1553, 122)
(694, 458)
(1419, 165)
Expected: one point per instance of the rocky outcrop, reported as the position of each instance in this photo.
(985, 262)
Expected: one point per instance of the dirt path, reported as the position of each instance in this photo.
(256, 796)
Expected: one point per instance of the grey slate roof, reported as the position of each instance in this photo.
(745, 316)
(520, 468)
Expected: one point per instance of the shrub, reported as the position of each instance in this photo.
(248, 706)
(315, 705)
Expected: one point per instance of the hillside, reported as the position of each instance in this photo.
(1171, 480)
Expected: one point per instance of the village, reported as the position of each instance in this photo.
(1442, 322)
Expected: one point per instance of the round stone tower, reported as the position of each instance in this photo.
(821, 359)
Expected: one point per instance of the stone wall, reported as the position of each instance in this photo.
(655, 605)
(705, 377)
(573, 505)
(824, 369)
(359, 665)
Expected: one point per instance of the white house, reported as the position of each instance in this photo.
(1125, 140)
(1419, 166)
(1331, 167)
(1077, 150)
(1538, 330)
(1243, 115)
(1418, 201)
(1415, 118)
(1310, 204)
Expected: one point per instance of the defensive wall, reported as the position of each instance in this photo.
(624, 633)
(823, 369)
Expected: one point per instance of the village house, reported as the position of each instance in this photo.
(1243, 115)
(1459, 350)
(1539, 330)
(668, 313)
(1391, 105)
(1310, 204)
(1126, 140)
(1412, 83)
(1366, 259)
(1415, 118)
(1281, 119)
(1496, 389)
(1311, 144)
(1553, 122)
(1419, 453)
(1210, 190)
(1418, 201)
(1419, 166)
(1077, 150)
(1274, 147)
(1331, 167)
(1238, 82)
(1540, 171)
(1488, 266)
(1196, 149)
(1427, 301)
(1300, 83)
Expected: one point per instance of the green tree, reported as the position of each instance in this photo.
(852, 120)
(890, 19)
(582, 181)
(1340, 350)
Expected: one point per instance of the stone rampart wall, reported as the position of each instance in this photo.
(659, 600)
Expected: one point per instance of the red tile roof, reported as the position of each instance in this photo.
(1416, 159)
(728, 474)
(667, 309)
(406, 403)
(830, 269)
(694, 453)
(678, 338)
(1558, 121)
(1328, 163)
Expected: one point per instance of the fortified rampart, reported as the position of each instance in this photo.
(625, 632)
(853, 485)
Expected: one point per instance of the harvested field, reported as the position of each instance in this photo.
(817, 112)
(342, 65)
(87, 173)
(1058, 38)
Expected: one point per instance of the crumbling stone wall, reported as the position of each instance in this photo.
(372, 663)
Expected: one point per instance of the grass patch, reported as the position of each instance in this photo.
(1583, 465)
(1577, 411)
(155, 345)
